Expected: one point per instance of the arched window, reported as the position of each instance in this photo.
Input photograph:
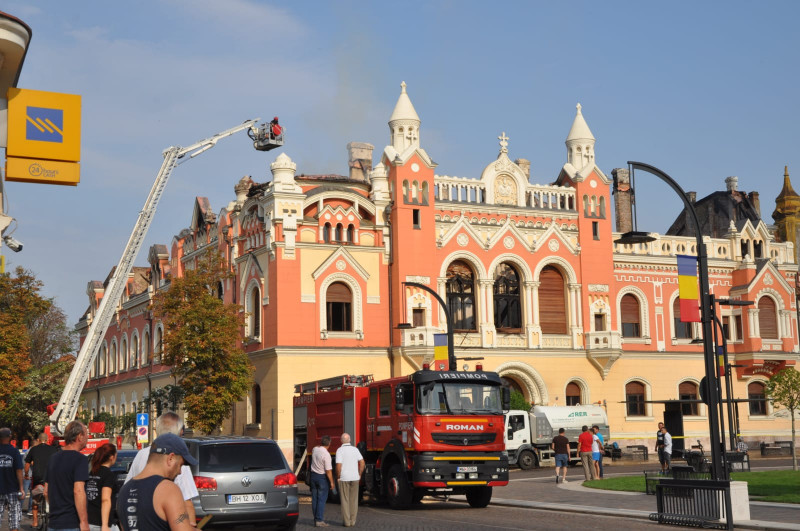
(552, 302)
(338, 232)
(688, 391)
(756, 392)
(145, 358)
(101, 367)
(573, 394)
(112, 359)
(629, 310)
(339, 308)
(158, 347)
(460, 288)
(134, 351)
(602, 207)
(220, 291)
(351, 233)
(122, 410)
(123, 355)
(634, 399)
(254, 308)
(256, 410)
(682, 330)
(326, 233)
(767, 318)
(507, 308)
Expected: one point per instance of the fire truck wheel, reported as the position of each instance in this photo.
(398, 490)
(479, 497)
(527, 460)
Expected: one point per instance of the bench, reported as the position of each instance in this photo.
(778, 448)
(695, 502)
(637, 451)
(651, 478)
(737, 461)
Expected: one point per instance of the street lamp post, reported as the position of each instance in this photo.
(718, 471)
(451, 356)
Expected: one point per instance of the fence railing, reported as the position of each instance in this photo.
(693, 502)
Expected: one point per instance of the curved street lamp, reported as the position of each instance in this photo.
(718, 470)
(451, 356)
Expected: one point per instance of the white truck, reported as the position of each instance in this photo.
(528, 434)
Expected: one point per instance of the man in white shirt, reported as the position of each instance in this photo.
(666, 460)
(349, 467)
(321, 479)
(169, 422)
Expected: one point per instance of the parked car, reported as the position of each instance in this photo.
(121, 467)
(243, 480)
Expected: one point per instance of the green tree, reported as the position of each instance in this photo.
(518, 401)
(109, 420)
(784, 390)
(27, 414)
(202, 342)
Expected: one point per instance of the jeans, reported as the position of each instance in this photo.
(600, 462)
(319, 495)
(26, 486)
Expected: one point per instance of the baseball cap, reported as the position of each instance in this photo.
(169, 443)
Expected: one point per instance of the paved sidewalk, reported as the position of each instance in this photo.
(543, 493)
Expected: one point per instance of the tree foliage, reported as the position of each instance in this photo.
(202, 342)
(784, 390)
(26, 413)
(518, 401)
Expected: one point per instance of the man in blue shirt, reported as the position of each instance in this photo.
(11, 489)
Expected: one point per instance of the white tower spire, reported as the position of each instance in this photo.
(580, 143)
(404, 123)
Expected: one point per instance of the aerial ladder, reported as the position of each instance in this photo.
(265, 137)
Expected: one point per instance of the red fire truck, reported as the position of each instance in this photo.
(431, 432)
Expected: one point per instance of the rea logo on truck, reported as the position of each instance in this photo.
(464, 427)
(578, 414)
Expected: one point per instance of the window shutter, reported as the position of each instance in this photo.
(552, 302)
(338, 292)
(634, 388)
(573, 389)
(629, 307)
(687, 388)
(767, 320)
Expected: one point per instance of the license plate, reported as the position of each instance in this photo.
(467, 469)
(247, 498)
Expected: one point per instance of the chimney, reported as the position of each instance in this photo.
(360, 162)
(525, 166)
(755, 201)
(732, 183)
(623, 199)
(692, 197)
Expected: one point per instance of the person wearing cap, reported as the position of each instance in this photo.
(11, 482)
(169, 422)
(151, 500)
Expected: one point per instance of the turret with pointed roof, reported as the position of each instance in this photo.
(787, 214)
(580, 142)
(404, 122)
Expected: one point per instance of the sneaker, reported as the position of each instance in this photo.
(321, 524)
(564, 480)
(30, 513)
(556, 480)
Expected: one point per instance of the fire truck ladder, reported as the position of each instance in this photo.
(331, 384)
(68, 404)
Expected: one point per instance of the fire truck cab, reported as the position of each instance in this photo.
(431, 432)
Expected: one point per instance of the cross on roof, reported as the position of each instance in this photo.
(503, 142)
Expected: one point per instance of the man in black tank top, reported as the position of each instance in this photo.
(151, 501)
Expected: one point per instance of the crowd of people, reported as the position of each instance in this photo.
(81, 494)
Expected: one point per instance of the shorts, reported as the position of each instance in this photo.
(665, 458)
(14, 509)
(562, 460)
(596, 456)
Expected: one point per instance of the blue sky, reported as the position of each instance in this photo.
(702, 90)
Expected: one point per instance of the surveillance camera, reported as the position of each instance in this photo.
(13, 244)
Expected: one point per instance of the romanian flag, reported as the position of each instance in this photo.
(440, 355)
(688, 292)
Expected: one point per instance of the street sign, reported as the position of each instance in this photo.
(143, 419)
(141, 434)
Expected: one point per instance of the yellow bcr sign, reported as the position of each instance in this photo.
(44, 137)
